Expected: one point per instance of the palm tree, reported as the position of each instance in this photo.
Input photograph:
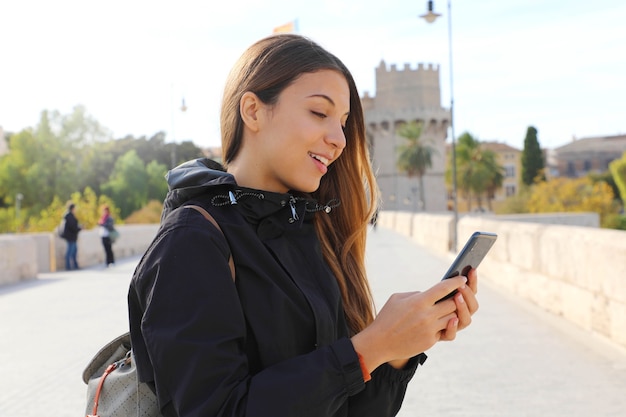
(465, 148)
(478, 173)
(415, 156)
(496, 176)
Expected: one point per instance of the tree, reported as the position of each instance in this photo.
(573, 195)
(532, 158)
(415, 156)
(65, 153)
(88, 212)
(618, 171)
(128, 183)
(50, 159)
(495, 176)
(157, 185)
(478, 173)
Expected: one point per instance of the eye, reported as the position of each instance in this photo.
(318, 114)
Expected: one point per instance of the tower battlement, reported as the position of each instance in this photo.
(408, 86)
(382, 67)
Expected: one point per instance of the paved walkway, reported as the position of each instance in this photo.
(513, 361)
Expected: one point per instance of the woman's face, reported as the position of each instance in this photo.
(303, 133)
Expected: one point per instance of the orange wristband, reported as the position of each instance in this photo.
(366, 374)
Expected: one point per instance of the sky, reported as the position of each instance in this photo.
(558, 65)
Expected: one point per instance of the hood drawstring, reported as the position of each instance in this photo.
(292, 205)
(233, 197)
(233, 200)
(327, 208)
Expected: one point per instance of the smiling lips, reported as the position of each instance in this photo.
(322, 162)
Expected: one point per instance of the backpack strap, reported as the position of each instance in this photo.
(210, 218)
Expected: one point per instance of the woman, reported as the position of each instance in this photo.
(107, 226)
(295, 334)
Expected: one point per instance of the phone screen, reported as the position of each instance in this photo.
(470, 256)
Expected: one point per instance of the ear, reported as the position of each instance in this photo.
(249, 107)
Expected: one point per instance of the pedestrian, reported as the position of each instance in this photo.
(107, 226)
(71, 228)
(295, 334)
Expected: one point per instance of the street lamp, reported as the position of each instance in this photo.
(183, 108)
(430, 17)
(18, 203)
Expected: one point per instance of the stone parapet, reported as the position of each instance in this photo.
(575, 272)
(18, 258)
(572, 271)
(24, 256)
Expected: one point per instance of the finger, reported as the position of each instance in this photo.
(450, 331)
(472, 280)
(462, 311)
(445, 287)
(469, 298)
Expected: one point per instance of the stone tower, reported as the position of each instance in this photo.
(402, 96)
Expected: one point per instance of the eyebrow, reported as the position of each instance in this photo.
(330, 100)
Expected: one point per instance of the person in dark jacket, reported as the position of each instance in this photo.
(107, 226)
(70, 234)
(295, 333)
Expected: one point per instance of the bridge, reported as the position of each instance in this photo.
(515, 360)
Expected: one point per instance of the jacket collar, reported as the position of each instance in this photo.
(204, 176)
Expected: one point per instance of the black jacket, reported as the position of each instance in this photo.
(71, 227)
(273, 343)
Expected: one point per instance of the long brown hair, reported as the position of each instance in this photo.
(266, 69)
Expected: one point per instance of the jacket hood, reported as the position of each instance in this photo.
(192, 179)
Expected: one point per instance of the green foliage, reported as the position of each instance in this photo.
(415, 156)
(618, 171)
(532, 158)
(615, 221)
(186, 151)
(517, 203)
(50, 217)
(573, 195)
(128, 183)
(45, 162)
(148, 214)
(607, 178)
(157, 185)
(49, 163)
(478, 173)
(88, 211)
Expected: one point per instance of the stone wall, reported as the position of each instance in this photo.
(575, 272)
(23, 256)
(571, 270)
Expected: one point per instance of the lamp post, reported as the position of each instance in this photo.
(183, 108)
(18, 203)
(430, 16)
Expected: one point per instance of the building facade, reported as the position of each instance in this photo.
(402, 96)
(510, 159)
(588, 155)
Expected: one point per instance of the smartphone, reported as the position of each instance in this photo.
(470, 256)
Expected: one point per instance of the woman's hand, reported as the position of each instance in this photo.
(466, 305)
(411, 323)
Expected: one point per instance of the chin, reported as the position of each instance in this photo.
(308, 187)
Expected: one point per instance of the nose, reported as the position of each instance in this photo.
(336, 137)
